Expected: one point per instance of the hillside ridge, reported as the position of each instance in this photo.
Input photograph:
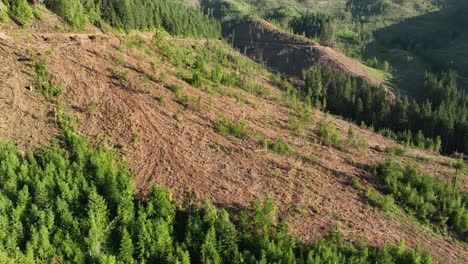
(292, 54)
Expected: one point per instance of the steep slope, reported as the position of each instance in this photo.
(135, 93)
(403, 38)
(292, 54)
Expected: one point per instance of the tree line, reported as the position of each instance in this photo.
(315, 26)
(74, 203)
(439, 117)
(125, 15)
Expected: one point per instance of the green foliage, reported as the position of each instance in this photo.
(228, 128)
(217, 74)
(3, 12)
(395, 151)
(173, 16)
(121, 76)
(71, 11)
(252, 87)
(374, 62)
(278, 146)
(20, 11)
(384, 202)
(43, 81)
(329, 134)
(315, 26)
(126, 15)
(75, 203)
(439, 118)
(135, 41)
(430, 199)
(355, 142)
(356, 184)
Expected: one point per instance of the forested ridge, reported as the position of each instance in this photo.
(124, 15)
(437, 121)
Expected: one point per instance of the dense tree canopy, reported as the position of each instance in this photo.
(316, 26)
(126, 15)
(440, 114)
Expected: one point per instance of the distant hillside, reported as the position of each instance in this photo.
(383, 34)
(435, 41)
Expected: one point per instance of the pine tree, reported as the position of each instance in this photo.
(209, 254)
(420, 140)
(98, 225)
(126, 248)
(227, 239)
(438, 145)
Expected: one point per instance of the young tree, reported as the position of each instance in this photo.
(126, 248)
(98, 225)
(209, 253)
(459, 166)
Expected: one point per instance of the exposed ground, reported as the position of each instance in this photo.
(291, 54)
(167, 143)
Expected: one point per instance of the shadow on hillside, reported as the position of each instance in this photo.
(431, 42)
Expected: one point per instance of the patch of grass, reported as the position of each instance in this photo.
(301, 120)
(162, 101)
(384, 76)
(21, 12)
(93, 107)
(277, 174)
(3, 12)
(253, 87)
(146, 84)
(240, 98)
(197, 79)
(354, 142)
(226, 127)
(296, 126)
(136, 138)
(222, 149)
(185, 100)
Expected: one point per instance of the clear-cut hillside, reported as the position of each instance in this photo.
(137, 96)
(291, 54)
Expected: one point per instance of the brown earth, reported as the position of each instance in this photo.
(176, 146)
(291, 54)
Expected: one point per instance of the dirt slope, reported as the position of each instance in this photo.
(176, 146)
(291, 54)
